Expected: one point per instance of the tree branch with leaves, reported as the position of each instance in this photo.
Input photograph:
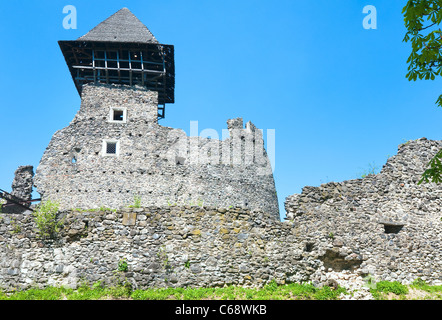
(422, 19)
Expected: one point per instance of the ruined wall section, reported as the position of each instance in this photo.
(21, 190)
(160, 165)
(191, 246)
(386, 224)
(23, 182)
(172, 246)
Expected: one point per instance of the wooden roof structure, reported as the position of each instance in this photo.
(122, 50)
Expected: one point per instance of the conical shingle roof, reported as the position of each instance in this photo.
(122, 26)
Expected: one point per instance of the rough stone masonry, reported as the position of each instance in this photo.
(22, 186)
(384, 225)
(115, 152)
(204, 210)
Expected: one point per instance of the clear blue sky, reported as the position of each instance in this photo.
(335, 93)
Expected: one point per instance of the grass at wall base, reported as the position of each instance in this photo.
(384, 290)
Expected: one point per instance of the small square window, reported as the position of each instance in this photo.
(117, 115)
(111, 148)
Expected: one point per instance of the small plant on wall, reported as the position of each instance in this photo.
(122, 265)
(45, 217)
(137, 202)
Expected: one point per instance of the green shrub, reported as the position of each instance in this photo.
(45, 217)
(122, 265)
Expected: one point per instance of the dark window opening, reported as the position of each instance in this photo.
(118, 115)
(112, 64)
(99, 54)
(136, 65)
(112, 55)
(393, 228)
(111, 148)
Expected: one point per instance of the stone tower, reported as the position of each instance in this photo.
(122, 50)
(115, 153)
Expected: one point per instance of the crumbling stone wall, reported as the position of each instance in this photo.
(169, 246)
(385, 225)
(23, 182)
(157, 164)
(195, 246)
(22, 186)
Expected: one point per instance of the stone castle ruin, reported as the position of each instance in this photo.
(114, 150)
(206, 206)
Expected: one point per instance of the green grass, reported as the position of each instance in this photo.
(386, 287)
(422, 285)
(271, 291)
(384, 290)
(50, 293)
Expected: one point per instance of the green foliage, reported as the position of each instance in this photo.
(153, 294)
(122, 265)
(422, 285)
(271, 286)
(16, 228)
(434, 171)
(45, 217)
(137, 202)
(422, 19)
(370, 170)
(388, 287)
(3, 296)
(271, 291)
(50, 293)
(327, 293)
(162, 255)
(84, 292)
